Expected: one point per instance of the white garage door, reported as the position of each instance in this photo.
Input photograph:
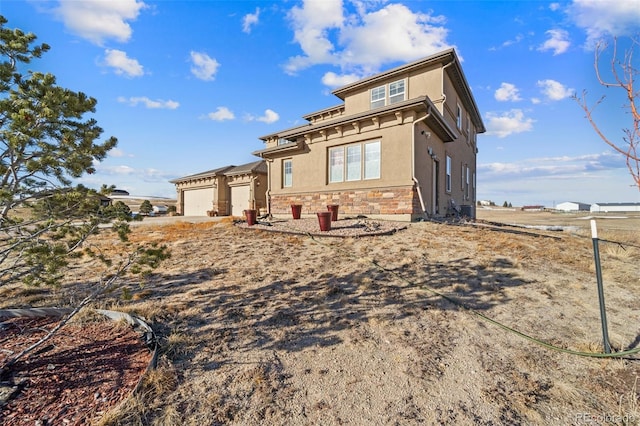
(239, 199)
(197, 201)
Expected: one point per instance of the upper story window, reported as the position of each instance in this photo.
(283, 141)
(378, 97)
(358, 161)
(397, 93)
(459, 117)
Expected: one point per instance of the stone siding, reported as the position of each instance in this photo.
(387, 201)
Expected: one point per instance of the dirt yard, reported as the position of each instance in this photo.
(265, 328)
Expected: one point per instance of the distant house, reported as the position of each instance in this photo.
(615, 207)
(572, 206)
(533, 208)
(224, 191)
(120, 192)
(401, 144)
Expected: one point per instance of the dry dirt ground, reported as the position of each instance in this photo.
(264, 328)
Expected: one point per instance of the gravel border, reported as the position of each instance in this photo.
(358, 227)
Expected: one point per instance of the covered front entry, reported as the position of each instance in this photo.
(197, 202)
(240, 196)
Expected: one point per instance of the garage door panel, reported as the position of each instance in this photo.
(239, 199)
(197, 201)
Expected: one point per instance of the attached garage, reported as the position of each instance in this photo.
(197, 201)
(224, 191)
(240, 199)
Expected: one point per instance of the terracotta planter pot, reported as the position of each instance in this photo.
(296, 210)
(324, 220)
(251, 217)
(333, 208)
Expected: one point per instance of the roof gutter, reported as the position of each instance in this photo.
(413, 161)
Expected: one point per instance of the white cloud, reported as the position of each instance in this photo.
(554, 6)
(123, 65)
(363, 41)
(394, 33)
(118, 153)
(269, 117)
(507, 92)
(98, 20)
(151, 104)
(334, 80)
(508, 123)
(116, 170)
(249, 20)
(221, 114)
(600, 18)
(558, 42)
(311, 24)
(555, 166)
(204, 67)
(555, 91)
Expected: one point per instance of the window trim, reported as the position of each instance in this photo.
(382, 99)
(459, 116)
(403, 93)
(386, 98)
(447, 174)
(284, 172)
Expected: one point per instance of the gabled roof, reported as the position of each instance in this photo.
(209, 173)
(254, 167)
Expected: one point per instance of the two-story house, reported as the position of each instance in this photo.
(401, 145)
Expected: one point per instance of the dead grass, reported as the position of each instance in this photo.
(263, 328)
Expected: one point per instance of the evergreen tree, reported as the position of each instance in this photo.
(45, 143)
(146, 207)
(46, 222)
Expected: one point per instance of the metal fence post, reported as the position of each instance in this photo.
(603, 313)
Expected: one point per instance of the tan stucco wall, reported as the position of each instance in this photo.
(310, 170)
(417, 83)
(220, 186)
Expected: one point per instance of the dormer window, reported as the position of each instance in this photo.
(378, 97)
(283, 141)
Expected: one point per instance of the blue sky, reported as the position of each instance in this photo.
(189, 86)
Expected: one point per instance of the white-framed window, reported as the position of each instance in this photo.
(359, 161)
(378, 97)
(396, 92)
(287, 173)
(468, 130)
(459, 116)
(467, 174)
(354, 162)
(372, 160)
(448, 174)
(462, 166)
(282, 141)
